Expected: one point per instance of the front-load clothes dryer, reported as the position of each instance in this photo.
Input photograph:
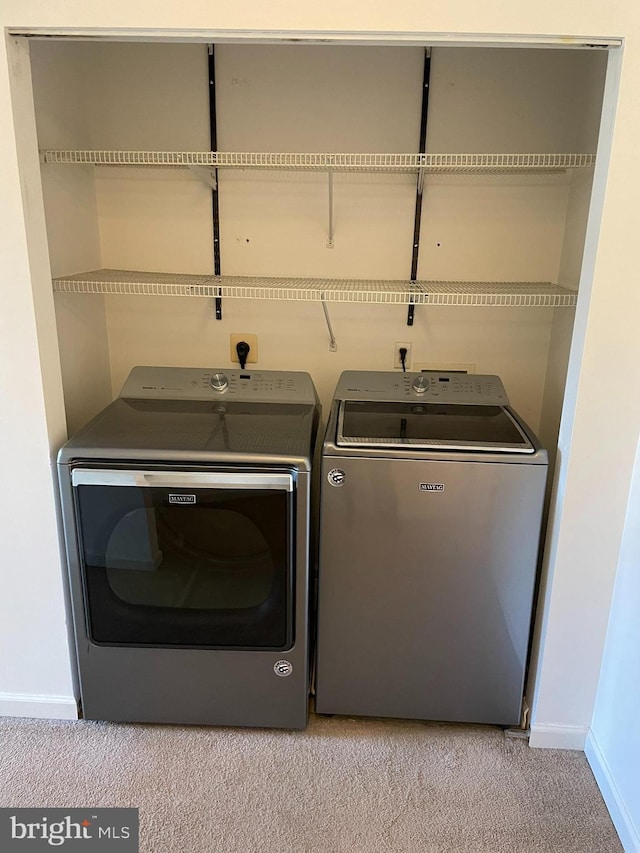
(186, 508)
(431, 501)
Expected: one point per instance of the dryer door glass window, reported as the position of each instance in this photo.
(168, 562)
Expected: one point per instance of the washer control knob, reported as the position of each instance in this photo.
(219, 382)
(420, 384)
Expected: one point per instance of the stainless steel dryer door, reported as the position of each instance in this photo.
(186, 558)
(426, 579)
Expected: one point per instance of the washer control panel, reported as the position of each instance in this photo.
(445, 387)
(192, 383)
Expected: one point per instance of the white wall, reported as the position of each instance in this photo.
(593, 481)
(61, 99)
(588, 510)
(613, 747)
(35, 674)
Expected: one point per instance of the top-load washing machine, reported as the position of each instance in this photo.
(186, 507)
(431, 502)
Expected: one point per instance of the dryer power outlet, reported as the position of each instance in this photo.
(252, 340)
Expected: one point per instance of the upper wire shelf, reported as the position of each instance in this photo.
(327, 162)
(461, 293)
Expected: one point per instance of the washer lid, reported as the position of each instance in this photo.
(430, 426)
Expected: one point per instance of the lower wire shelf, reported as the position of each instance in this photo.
(390, 292)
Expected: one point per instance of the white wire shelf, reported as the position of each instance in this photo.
(498, 163)
(461, 293)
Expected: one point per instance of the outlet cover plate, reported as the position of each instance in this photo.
(397, 364)
(252, 340)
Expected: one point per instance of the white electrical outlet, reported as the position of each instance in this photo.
(397, 361)
(252, 340)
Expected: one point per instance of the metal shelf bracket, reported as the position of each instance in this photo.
(330, 242)
(207, 175)
(333, 346)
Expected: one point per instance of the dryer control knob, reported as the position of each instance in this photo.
(219, 382)
(420, 384)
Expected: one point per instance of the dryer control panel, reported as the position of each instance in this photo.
(193, 383)
(462, 388)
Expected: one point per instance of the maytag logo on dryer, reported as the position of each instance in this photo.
(182, 499)
(431, 487)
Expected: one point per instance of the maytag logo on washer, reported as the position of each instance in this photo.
(336, 477)
(182, 499)
(283, 668)
(431, 487)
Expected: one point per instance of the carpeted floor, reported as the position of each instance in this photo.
(352, 785)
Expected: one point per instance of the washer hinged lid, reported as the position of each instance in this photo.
(428, 411)
(430, 426)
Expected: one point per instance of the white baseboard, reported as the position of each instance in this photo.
(622, 820)
(557, 737)
(40, 707)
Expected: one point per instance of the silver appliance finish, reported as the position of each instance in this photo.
(429, 536)
(179, 430)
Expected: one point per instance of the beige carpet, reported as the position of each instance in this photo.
(358, 786)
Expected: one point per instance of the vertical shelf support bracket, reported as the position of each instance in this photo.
(415, 249)
(330, 243)
(333, 346)
(212, 178)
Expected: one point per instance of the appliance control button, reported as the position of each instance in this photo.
(420, 384)
(219, 382)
